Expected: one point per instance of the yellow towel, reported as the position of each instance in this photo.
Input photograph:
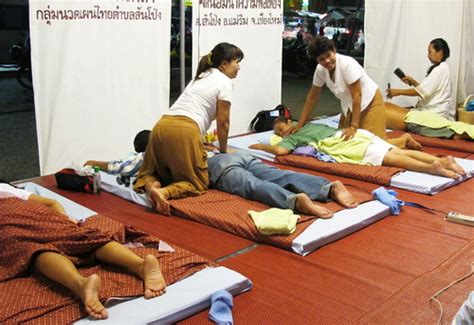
(436, 121)
(351, 151)
(275, 221)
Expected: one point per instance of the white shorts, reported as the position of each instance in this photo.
(376, 150)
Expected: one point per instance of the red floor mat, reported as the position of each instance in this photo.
(456, 145)
(373, 174)
(347, 279)
(414, 299)
(229, 212)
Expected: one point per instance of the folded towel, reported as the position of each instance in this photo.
(389, 198)
(221, 308)
(275, 221)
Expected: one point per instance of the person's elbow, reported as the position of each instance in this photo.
(280, 151)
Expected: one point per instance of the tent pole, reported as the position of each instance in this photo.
(182, 54)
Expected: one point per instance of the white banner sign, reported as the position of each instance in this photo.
(100, 73)
(256, 27)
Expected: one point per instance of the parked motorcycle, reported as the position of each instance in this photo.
(295, 58)
(21, 55)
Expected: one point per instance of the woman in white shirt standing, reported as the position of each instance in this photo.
(434, 92)
(361, 101)
(175, 163)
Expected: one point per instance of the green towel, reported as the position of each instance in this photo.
(436, 121)
(351, 151)
(275, 221)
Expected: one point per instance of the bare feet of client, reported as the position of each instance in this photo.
(412, 143)
(89, 293)
(154, 282)
(438, 169)
(454, 166)
(158, 198)
(341, 195)
(306, 206)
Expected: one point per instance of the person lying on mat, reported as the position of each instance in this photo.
(364, 148)
(129, 166)
(428, 124)
(61, 246)
(246, 176)
(175, 164)
(435, 91)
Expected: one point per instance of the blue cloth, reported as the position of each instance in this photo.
(312, 152)
(465, 315)
(389, 198)
(221, 308)
(248, 177)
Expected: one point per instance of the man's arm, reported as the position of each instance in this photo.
(276, 150)
(50, 203)
(103, 165)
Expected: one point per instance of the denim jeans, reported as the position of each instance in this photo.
(248, 177)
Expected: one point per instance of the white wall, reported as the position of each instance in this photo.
(99, 76)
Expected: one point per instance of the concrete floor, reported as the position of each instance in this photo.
(19, 146)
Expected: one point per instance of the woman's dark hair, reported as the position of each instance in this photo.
(439, 44)
(220, 53)
(141, 140)
(320, 45)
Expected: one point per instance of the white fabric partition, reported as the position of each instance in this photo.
(255, 27)
(397, 34)
(100, 74)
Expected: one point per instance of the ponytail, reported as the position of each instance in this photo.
(220, 53)
(439, 44)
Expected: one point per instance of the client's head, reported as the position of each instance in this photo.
(141, 140)
(281, 125)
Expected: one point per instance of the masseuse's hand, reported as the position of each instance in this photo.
(348, 133)
(291, 130)
(391, 92)
(409, 80)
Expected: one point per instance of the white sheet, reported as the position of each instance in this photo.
(431, 184)
(73, 209)
(318, 234)
(182, 299)
(343, 223)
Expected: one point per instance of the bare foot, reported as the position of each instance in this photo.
(90, 297)
(441, 171)
(154, 282)
(158, 198)
(306, 206)
(412, 143)
(341, 195)
(454, 166)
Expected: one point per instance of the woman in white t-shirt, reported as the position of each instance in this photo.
(434, 92)
(361, 101)
(175, 162)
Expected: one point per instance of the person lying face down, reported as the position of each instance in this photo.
(60, 244)
(364, 149)
(246, 176)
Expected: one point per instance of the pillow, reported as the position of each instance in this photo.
(269, 138)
